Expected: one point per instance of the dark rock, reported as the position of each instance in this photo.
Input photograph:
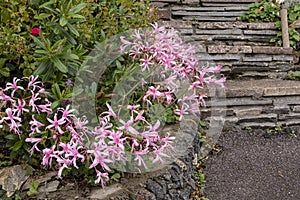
(174, 194)
(185, 194)
(156, 188)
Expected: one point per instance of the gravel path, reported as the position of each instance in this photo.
(254, 165)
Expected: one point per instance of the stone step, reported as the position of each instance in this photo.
(237, 24)
(207, 9)
(208, 14)
(230, 1)
(218, 32)
(211, 19)
(269, 50)
(265, 88)
(224, 4)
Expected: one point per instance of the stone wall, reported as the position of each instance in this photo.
(258, 104)
(243, 49)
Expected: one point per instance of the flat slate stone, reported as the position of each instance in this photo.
(220, 57)
(221, 25)
(212, 19)
(235, 8)
(184, 8)
(261, 118)
(255, 111)
(208, 14)
(261, 25)
(258, 58)
(283, 58)
(272, 50)
(251, 64)
(249, 38)
(259, 32)
(265, 88)
(221, 49)
(218, 32)
(290, 100)
(231, 1)
(225, 4)
(176, 24)
(247, 101)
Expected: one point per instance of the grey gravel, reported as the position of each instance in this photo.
(254, 165)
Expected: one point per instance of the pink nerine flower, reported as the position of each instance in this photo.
(13, 125)
(14, 86)
(56, 123)
(35, 125)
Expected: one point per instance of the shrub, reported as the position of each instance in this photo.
(57, 52)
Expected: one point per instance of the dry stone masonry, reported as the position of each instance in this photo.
(242, 48)
(257, 94)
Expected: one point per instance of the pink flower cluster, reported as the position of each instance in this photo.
(69, 139)
(17, 101)
(163, 51)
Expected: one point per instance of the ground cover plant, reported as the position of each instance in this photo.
(39, 126)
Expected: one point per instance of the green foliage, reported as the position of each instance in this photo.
(263, 11)
(294, 75)
(69, 30)
(294, 37)
(269, 11)
(200, 180)
(33, 188)
(116, 16)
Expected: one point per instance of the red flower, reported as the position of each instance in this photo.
(35, 31)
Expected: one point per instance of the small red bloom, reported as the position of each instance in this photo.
(35, 31)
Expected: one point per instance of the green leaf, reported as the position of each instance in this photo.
(60, 66)
(55, 104)
(202, 123)
(17, 145)
(27, 72)
(116, 176)
(58, 43)
(5, 72)
(77, 8)
(42, 16)
(12, 137)
(56, 90)
(33, 188)
(41, 68)
(273, 40)
(296, 37)
(119, 65)
(296, 73)
(63, 21)
(38, 42)
(77, 16)
(41, 51)
(72, 29)
(2, 62)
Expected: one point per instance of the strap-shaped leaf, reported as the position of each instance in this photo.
(63, 21)
(73, 29)
(38, 42)
(60, 66)
(77, 8)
